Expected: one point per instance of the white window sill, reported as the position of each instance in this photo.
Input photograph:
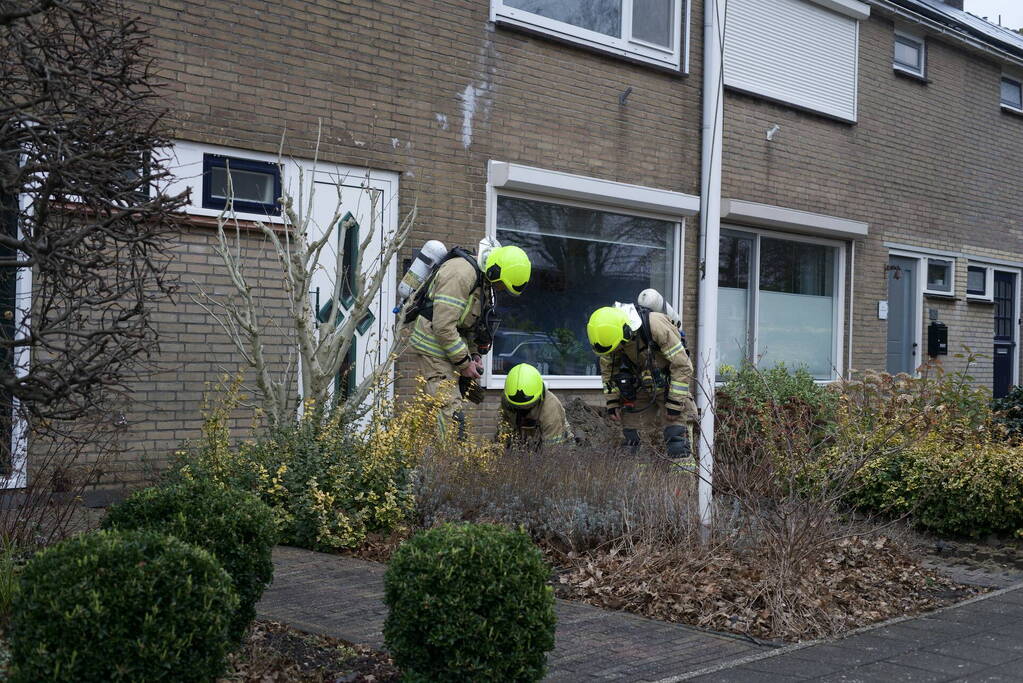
(554, 382)
(980, 299)
(1011, 110)
(614, 46)
(940, 295)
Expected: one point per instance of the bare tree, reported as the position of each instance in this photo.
(85, 227)
(318, 347)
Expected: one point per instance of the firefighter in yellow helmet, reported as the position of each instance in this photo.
(530, 413)
(646, 373)
(455, 325)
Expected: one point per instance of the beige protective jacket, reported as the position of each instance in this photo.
(457, 306)
(668, 355)
(544, 423)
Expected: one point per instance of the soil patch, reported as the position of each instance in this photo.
(277, 652)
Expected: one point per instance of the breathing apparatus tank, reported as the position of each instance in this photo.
(652, 299)
(432, 253)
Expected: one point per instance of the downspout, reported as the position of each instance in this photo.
(710, 233)
(852, 301)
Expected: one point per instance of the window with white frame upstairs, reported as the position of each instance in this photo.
(652, 31)
(910, 55)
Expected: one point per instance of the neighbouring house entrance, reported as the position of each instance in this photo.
(903, 315)
(1005, 332)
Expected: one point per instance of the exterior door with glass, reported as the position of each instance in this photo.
(1005, 332)
(367, 208)
(902, 315)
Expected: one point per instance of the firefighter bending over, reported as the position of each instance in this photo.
(646, 373)
(455, 323)
(532, 415)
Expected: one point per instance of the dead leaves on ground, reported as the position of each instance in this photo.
(853, 582)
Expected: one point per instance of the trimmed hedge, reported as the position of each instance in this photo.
(469, 602)
(236, 527)
(122, 606)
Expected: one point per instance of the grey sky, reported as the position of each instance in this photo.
(1011, 11)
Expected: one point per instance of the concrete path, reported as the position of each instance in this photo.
(343, 597)
(978, 640)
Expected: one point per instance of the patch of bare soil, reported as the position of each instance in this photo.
(277, 652)
(856, 582)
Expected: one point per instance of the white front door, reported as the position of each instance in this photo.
(356, 196)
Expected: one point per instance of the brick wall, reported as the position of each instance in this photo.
(927, 164)
(429, 89)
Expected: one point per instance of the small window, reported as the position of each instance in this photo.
(979, 282)
(648, 30)
(256, 184)
(1012, 94)
(910, 54)
(939, 276)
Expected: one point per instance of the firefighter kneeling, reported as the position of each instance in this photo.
(646, 373)
(530, 414)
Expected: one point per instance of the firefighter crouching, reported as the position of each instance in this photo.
(531, 415)
(646, 373)
(453, 326)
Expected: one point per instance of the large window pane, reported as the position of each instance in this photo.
(602, 16)
(733, 300)
(653, 21)
(797, 307)
(582, 259)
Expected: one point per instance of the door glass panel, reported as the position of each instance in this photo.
(652, 21)
(797, 307)
(733, 300)
(1003, 306)
(601, 16)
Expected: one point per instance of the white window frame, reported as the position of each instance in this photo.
(951, 261)
(989, 282)
(513, 180)
(1012, 78)
(838, 318)
(675, 57)
(908, 37)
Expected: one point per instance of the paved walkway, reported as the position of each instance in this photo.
(343, 597)
(979, 640)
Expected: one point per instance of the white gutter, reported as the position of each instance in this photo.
(710, 229)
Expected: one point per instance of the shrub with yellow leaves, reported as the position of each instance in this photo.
(329, 481)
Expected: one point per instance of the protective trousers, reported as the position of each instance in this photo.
(648, 415)
(442, 382)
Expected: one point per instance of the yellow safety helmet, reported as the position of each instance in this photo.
(509, 265)
(607, 329)
(523, 386)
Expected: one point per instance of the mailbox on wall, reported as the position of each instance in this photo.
(937, 339)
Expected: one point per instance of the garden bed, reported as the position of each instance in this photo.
(278, 652)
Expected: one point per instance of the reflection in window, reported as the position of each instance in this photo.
(792, 295)
(939, 275)
(797, 306)
(976, 280)
(582, 259)
(652, 21)
(909, 54)
(1012, 93)
(601, 16)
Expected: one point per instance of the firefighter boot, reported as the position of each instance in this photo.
(679, 449)
(631, 440)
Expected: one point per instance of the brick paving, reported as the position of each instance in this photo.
(978, 640)
(343, 597)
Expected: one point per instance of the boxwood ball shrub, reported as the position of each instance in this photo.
(235, 526)
(122, 606)
(469, 602)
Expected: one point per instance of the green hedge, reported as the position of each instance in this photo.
(236, 527)
(469, 602)
(122, 606)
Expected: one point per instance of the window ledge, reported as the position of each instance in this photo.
(910, 75)
(978, 299)
(941, 295)
(674, 68)
(1012, 111)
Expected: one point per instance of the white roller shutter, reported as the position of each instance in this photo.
(794, 51)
